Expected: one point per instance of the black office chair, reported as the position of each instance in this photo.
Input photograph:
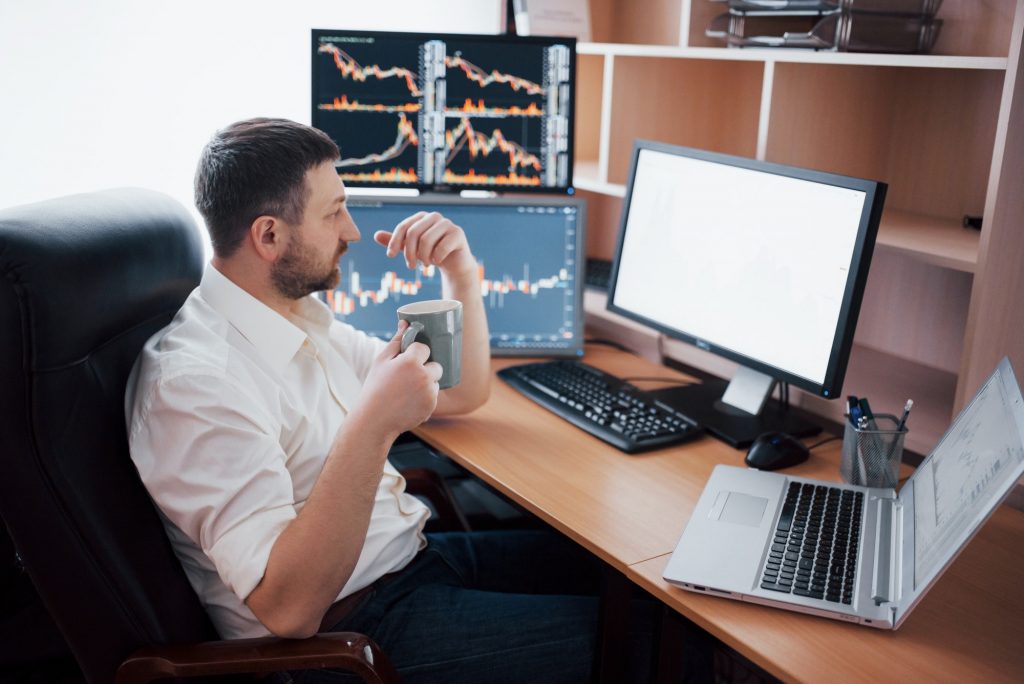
(86, 280)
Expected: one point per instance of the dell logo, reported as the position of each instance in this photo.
(701, 344)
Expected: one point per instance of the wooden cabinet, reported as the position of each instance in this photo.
(945, 131)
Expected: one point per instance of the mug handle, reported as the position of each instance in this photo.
(409, 336)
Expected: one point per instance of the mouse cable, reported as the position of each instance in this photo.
(608, 343)
(824, 441)
(670, 381)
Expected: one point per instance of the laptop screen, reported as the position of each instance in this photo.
(974, 465)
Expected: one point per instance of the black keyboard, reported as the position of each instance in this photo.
(608, 408)
(814, 553)
(598, 273)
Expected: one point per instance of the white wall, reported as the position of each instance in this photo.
(105, 93)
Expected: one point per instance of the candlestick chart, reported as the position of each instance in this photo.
(526, 265)
(453, 112)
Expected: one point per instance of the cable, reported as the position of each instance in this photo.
(607, 342)
(644, 378)
(823, 441)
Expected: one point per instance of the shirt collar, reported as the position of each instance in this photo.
(314, 312)
(275, 337)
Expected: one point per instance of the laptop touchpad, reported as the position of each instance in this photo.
(739, 508)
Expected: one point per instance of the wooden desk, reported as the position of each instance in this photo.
(631, 510)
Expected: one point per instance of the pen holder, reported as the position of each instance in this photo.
(871, 456)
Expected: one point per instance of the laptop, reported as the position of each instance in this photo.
(768, 538)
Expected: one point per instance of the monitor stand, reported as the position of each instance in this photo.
(738, 427)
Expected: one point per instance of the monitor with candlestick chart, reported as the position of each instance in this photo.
(528, 253)
(446, 112)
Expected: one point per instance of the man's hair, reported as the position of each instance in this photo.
(256, 168)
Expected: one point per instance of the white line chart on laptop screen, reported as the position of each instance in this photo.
(956, 485)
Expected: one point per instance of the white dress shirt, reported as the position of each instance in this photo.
(232, 410)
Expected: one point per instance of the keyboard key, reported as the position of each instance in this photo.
(774, 587)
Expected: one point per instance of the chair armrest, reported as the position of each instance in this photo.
(430, 485)
(347, 650)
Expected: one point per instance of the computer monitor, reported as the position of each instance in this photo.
(447, 112)
(528, 250)
(761, 263)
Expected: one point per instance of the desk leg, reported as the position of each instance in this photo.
(613, 627)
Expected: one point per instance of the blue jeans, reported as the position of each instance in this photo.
(490, 607)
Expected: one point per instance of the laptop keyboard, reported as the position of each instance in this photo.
(814, 552)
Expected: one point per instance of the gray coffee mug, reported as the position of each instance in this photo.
(437, 323)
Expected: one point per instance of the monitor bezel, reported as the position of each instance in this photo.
(574, 351)
(567, 190)
(867, 231)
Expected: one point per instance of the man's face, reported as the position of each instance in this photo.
(310, 261)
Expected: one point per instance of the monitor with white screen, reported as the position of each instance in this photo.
(528, 251)
(761, 263)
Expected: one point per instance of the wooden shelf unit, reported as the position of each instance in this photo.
(944, 130)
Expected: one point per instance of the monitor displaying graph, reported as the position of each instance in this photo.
(446, 111)
(528, 260)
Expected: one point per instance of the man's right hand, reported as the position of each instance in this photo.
(401, 388)
(399, 393)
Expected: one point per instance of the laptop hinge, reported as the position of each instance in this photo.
(887, 543)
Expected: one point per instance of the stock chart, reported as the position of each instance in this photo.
(460, 112)
(526, 263)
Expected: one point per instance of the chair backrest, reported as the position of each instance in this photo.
(85, 280)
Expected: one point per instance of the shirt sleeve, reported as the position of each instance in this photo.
(210, 458)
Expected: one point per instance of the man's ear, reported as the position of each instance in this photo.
(269, 237)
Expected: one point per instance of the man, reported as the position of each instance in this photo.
(261, 427)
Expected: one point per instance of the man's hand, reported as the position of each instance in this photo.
(317, 552)
(401, 389)
(431, 239)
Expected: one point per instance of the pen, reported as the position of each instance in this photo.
(906, 412)
(854, 410)
(866, 415)
(865, 408)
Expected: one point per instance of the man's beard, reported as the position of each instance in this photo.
(297, 273)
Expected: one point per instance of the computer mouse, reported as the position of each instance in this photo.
(774, 450)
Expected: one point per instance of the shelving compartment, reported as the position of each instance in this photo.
(928, 133)
(604, 214)
(915, 311)
(975, 27)
(709, 104)
(889, 381)
(649, 22)
(589, 93)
